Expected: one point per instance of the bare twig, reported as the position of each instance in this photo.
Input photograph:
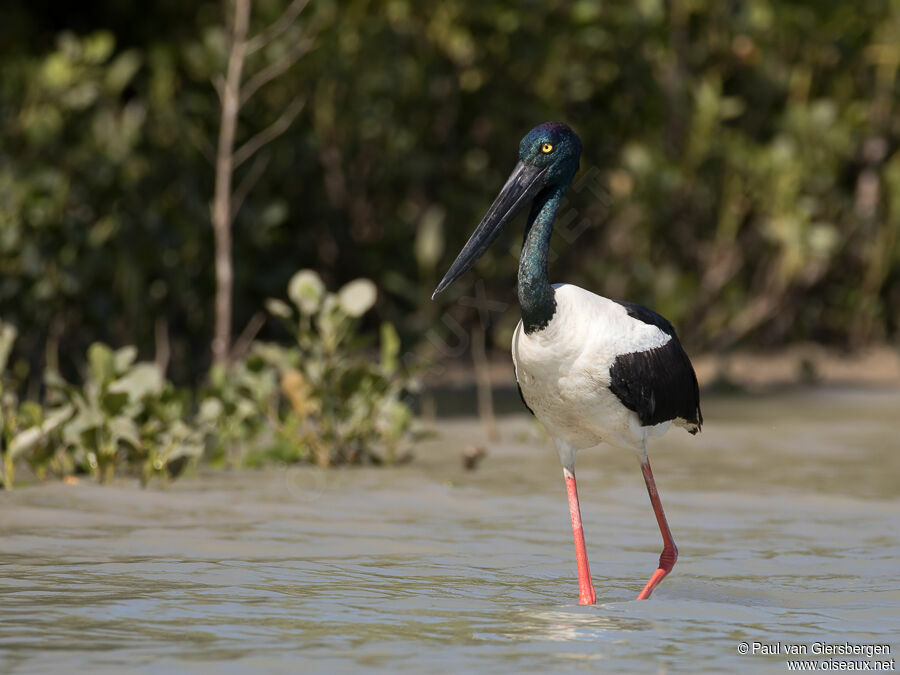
(51, 349)
(199, 140)
(227, 200)
(277, 27)
(218, 83)
(483, 389)
(270, 133)
(247, 183)
(248, 335)
(221, 208)
(273, 70)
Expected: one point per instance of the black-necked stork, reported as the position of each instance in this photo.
(592, 370)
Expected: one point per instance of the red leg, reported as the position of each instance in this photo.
(586, 595)
(670, 552)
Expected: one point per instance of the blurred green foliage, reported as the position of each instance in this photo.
(344, 404)
(323, 399)
(124, 417)
(740, 171)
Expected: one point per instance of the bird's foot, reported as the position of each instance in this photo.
(666, 563)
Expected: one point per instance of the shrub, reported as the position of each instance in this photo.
(125, 418)
(324, 399)
(331, 397)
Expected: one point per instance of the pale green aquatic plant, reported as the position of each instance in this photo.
(336, 401)
(239, 408)
(126, 418)
(25, 427)
(344, 405)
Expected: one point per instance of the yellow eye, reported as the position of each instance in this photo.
(546, 147)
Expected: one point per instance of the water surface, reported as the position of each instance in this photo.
(785, 510)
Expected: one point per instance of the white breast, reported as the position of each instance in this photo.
(563, 369)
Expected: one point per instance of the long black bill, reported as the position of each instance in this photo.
(523, 183)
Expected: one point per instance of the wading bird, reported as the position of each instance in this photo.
(592, 370)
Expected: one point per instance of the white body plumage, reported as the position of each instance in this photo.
(563, 370)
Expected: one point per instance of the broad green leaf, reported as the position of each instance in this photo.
(124, 429)
(102, 363)
(390, 347)
(74, 430)
(31, 413)
(7, 338)
(124, 357)
(429, 244)
(98, 46)
(114, 402)
(29, 438)
(140, 381)
(122, 70)
(55, 382)
(279, 308)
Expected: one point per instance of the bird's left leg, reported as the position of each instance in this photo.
(670, 551)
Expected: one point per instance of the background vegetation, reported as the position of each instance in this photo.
(740, 172)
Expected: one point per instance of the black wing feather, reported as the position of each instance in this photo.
(658, 384)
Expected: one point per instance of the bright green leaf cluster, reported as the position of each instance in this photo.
(323, 399)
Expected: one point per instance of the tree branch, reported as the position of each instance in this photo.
(270, 133)
(273, 30)
(221, 206)
(248, 183)
(218, 83)
(245, 340)
(199, 140)
(270, 72)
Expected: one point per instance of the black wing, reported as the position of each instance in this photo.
(647, 315)
(658, 384)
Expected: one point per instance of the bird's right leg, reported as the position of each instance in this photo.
(586, 594)
(670, 551)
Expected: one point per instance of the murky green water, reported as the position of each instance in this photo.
(786, 511)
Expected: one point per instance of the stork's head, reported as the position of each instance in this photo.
(548, 159)
(552, 146)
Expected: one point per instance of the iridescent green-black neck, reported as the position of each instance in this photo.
(536, 296)
(548, 160)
